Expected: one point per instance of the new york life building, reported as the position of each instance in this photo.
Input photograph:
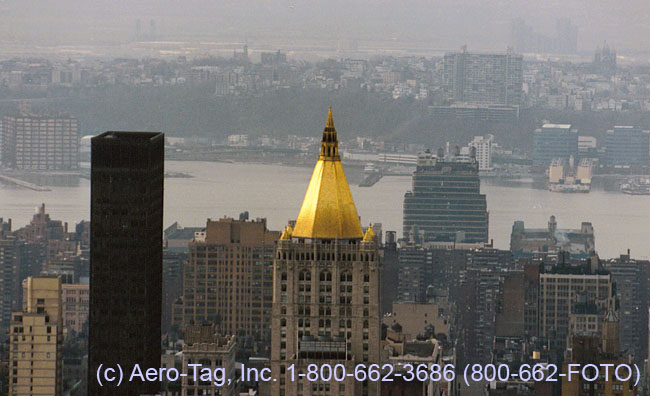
(326, 287)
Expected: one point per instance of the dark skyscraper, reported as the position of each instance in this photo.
(125, 257)
(446, 203)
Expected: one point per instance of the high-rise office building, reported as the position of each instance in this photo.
(415, 273)
(627, 146)
(35, 340)
(481, 277)
(126, 213)
(9, 274)
(32, 142)
(483, 78)
(228, 278)
(446, 203)
(554, 141)
(481, 292)
(326, 286)
(630, 276)
(559, 289)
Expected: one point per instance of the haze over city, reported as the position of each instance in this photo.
(288, 24)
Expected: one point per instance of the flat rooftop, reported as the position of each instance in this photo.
(557, 126)
(129, 136)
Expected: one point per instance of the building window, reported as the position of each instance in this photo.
(304, 275)
(346, 276)
(325, 276)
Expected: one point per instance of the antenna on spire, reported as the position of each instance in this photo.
(330, 119)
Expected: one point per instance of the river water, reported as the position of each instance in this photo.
(276, 192)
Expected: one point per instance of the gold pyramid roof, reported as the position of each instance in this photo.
(328, 210)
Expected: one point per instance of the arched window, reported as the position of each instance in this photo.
(346, 276)
(283, 310)
(304, 275)
(365, 324)
(283, 322)
(325, 276)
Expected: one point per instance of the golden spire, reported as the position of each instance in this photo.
(328, 210)
(330, 119)
(329, 146)
(370, 234)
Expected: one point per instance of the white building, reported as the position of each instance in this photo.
(483, 146)
(238, 140)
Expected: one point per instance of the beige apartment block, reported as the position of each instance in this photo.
(228, 277)
(36, 337)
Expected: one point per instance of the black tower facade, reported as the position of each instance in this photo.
(125, 258)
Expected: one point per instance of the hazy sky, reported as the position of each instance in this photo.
(441, 24)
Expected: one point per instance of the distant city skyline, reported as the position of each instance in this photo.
(445, 26)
